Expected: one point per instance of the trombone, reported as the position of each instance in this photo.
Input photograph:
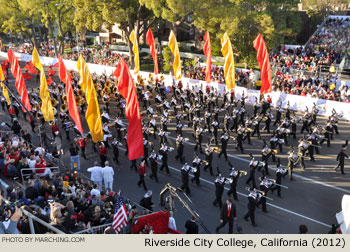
(274, 182)
(262, 193)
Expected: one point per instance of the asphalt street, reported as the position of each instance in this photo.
(313, 198)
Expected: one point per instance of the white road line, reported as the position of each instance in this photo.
(294, 175)
(275, 206)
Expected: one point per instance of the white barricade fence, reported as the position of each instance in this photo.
(296, 102)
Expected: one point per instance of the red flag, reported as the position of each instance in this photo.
(207, 52)
(20, 84)
(56, 64)
(264, 63)
(72, 105)
(152, 46)
(27, 76)
(49, 80)
(127, 89)
(51, 71)
(30, 67)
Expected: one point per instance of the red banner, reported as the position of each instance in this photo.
(152, 46)
(207, 52)
(264, 63)
(158, 221)
(127, 89)
(20, 84)
(72, 105)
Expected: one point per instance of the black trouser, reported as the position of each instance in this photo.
(311, 153)
(83, 151)
(304, 127)
(154, 172)
(180, 155)
(103, 160)
(210, 167)
(262, 201)
(223, 151)
(278, 188)
(239, 145)
(218, 200)
(251, 178)
(67, 135)
(265, 159)
(165, 165)
(291, 166)
(247, 136)
(224, 222)
(142, 181)
(233, 191)
(185, 187)
(196, 177)
(116, 155)
(250, 214)
(133, 164)
(198, 145)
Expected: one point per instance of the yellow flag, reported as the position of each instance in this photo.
(46, 106)
(5, 93)
(135, 50)
(92, 115)
(175, 50)
(229, 67)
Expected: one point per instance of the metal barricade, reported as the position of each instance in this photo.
(26, 176)
(95, 230)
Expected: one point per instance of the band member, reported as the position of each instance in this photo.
(180, 148)
(253, 165)
(234, 175)
(209, 158)
(199, 139)
(305, 119)
(196, 163)
(268, 120)
(142, 174)
(328, 134)
(185, 170)
(239, 138)
(163, 137)
(280, 173)
(302, 148)
(67, 125)
(103, 153)
(219, 190)
(265, 186)
(293, 159)
(215, 126)
(224, 140)
(334, 122)
(153, 124)
(253, 199)
(115, 145)
(341, 158)
(228, 214)
(293, 123)
(278, 115)
(163, 151)
(207, 116)
(265, 154)
(153, 158)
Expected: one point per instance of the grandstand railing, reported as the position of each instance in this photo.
(26, 176)
(94, 230)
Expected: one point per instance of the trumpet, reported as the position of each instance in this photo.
(54, 110)
(243, 172)
(81, 93)
(105, 99)
(228, 181)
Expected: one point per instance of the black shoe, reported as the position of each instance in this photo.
(236, 199)
(254, 225)
(265, 211)
(246, 219)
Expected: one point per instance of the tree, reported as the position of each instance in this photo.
(55, 14)
(16, 21)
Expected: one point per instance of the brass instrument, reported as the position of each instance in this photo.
(216, 149)
(38, 116)
(40, 104)
(51, 123)
(105, 99)
(78, 100)
(243, 172)
(264, 118)
(65, 99)
(54, 102)
(81, 93)
(256, 190)
(64, 108)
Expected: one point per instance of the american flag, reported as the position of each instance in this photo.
(120, 217)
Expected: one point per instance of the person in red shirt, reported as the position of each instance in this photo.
(55, 129)
(39, 165)
(142, 173)
(12, 112)
(103, 153)
(82, 143)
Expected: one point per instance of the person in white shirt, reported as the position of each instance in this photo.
(95, 191)
(31, 163)
(96, 174)
(172, 223)
(108, 177)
